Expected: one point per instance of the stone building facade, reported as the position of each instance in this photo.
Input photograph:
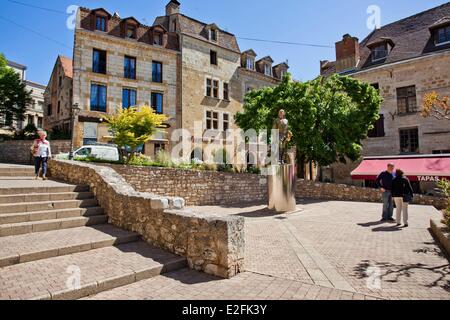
(201, 74)
(58, 97)
(404, 60)
(214, 74)
(114, 67)
(34, 112)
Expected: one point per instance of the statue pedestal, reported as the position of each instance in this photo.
(282, 182)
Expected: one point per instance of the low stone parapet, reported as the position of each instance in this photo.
(442, 234)
(211, 243)
(341, 192)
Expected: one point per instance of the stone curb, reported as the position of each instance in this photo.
(438, 229)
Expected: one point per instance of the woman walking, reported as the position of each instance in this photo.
(402, 192)
(41, 152)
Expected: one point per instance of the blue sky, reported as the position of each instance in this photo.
(321, 22)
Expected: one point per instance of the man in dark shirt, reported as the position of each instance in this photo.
(384, 181)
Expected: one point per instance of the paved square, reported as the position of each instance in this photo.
(343, 245)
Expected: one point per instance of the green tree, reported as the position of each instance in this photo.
(132, 127)
(329, 117)
(14, 97)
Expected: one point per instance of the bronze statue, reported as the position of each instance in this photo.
(285, 136)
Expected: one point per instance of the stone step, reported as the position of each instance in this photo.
(87, 273)
(17, 172)
(46, 205)
(36, 197)
(48, 225)
(49, 215)
(40, 189)
(43, 245)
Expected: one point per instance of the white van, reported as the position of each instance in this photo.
(109, 153)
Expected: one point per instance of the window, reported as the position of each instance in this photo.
(213, 57)
(98, 97)
(131, 32)
(442, 35)
(100, 23)
(376, 86)
(49, 110)
(157, 102)
(379, 52)
(409, 141)
(216, 89)
(157, 72)
(59, 107)
(99, 61)
(267, 70)
(159, 147)
(406, 100)
(212, 88)
(226, 92)
(174, 26)
(158, 39)
(128, 98)
(282, 74)
(30, 119)
(250, 63)
(209, 87)
(60, 81)
(40, 122)
(212, 120)
(226, 121)
(130, 67)
(378, 130)
(213, 35)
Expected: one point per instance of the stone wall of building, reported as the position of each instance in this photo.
(196, 187)
(427, 74)
(117, 48)
(211, 243)
(18, 151)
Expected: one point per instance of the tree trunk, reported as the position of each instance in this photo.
(301, 165)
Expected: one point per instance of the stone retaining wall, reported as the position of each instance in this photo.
(331, 191)
(196, 187)
(18, 151)
(217, 188)
(211, 243)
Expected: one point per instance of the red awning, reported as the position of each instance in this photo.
(416, 168)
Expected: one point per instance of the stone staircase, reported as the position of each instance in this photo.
(55, 242)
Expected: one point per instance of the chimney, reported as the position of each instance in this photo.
(172, 7)
(347, 53)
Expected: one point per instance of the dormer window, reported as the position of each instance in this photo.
(100, 23)
(213, 35)
(131, 32)
(268, 69)
(250, 63)
(379, 52)
(158, 39)
(442, 35)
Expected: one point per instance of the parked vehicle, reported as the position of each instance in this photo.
(103, 152)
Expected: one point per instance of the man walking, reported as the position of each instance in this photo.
(384, 181)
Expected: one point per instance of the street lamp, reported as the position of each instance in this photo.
(73, 113)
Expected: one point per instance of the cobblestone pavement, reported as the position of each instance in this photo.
(191, 285)
(325, 250)
(343, 245)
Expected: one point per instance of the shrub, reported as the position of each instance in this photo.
(444, 185)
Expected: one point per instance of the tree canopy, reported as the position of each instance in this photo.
(132, 127)
(329, 117)
(14, 97)
(436, 106)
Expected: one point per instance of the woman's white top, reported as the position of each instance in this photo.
(43, 149)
